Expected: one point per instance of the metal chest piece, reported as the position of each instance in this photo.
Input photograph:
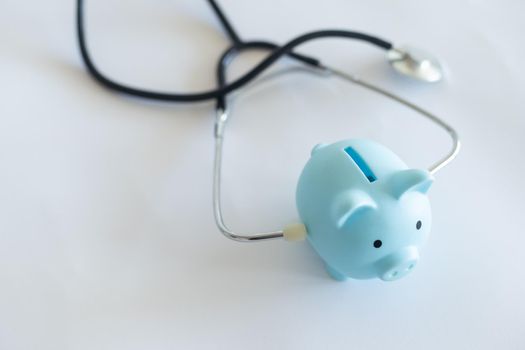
(415, 63)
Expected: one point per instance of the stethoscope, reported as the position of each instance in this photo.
(349, 191)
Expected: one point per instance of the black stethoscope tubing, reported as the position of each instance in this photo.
(237, 47)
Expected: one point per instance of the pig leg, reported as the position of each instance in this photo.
(336, 275)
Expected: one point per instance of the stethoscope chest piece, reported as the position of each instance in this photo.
(415, 63)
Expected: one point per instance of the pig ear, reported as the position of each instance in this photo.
(409, 180)
(317, 148)
(350, 204)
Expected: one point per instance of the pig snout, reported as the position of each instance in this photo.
(398, 264)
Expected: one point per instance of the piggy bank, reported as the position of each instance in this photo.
(365, 212)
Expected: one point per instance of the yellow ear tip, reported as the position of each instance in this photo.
(295, 232)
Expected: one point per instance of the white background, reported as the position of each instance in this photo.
(107, 239)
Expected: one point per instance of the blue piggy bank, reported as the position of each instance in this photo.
(365, 212)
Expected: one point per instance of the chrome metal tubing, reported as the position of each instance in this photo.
(221, 119)
(456, 143)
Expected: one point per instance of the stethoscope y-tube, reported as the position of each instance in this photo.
(278, 52)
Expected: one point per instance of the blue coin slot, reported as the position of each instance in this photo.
(361, 164)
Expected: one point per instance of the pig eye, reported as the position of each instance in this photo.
(377, 243)
(418, 224)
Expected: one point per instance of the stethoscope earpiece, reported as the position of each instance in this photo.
(415, 63)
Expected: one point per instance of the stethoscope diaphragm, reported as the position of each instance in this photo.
(415, 63)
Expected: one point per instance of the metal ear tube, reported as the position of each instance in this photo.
(362, 208)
